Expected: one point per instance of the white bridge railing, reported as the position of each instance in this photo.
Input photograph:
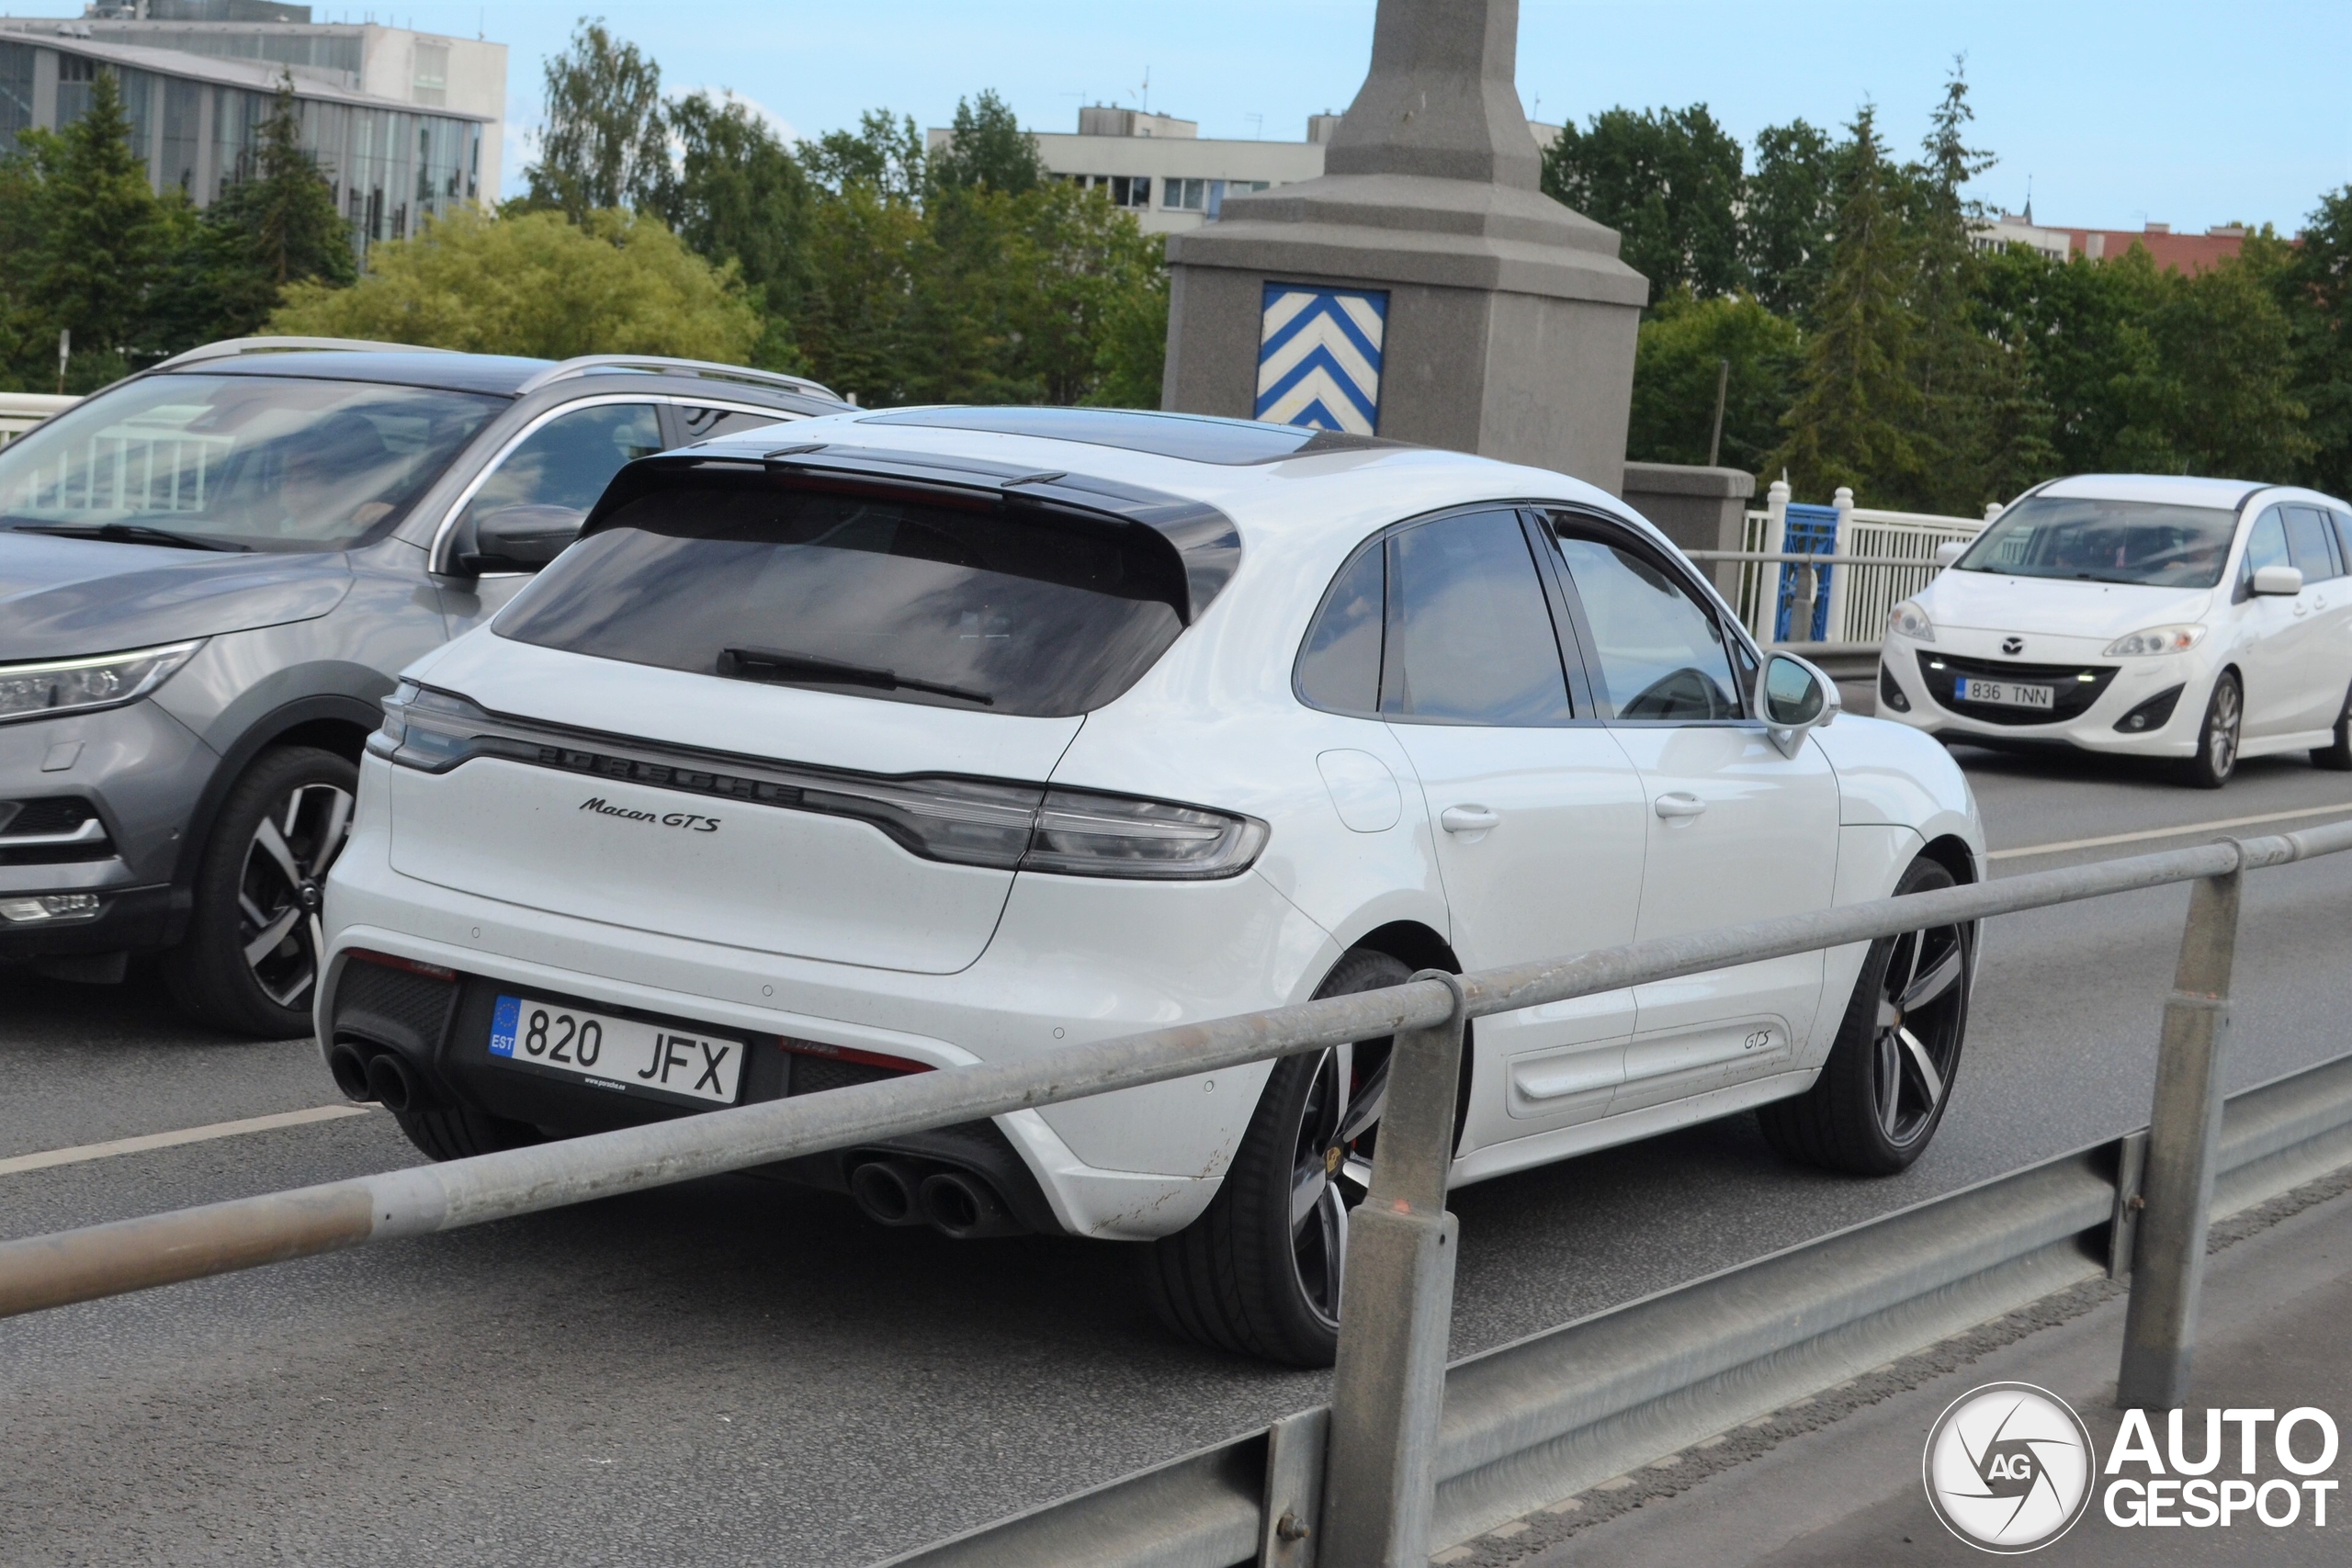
(1860, 594)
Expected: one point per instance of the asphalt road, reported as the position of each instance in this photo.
(738, 1371)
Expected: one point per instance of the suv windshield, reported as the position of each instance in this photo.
(982, 608)
(241, 462)
(2106, 541)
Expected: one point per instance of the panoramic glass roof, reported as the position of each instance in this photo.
(1194, 437)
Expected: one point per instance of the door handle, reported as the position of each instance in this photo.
(1466, 819)
(1679, 803)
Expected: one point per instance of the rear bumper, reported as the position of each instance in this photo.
(1072, 960)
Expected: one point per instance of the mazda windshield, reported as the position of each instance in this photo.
(2137, 542)
(236, 462)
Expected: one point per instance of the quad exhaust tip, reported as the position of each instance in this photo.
(350, 1070)
(388, 1082)
(963, 1206)
(886, 1190)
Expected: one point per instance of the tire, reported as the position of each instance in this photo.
(2217, 737)
(457, 1133)
(1243, 1278)
(1882, 1094)
(2337, 758)
(261, 873)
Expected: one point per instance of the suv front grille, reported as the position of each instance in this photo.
(2077, 686)
(49, 830)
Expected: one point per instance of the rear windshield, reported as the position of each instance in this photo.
(988, 608)
(2106, 541)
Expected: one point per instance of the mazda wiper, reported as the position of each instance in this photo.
(788, 669)
(127, 533)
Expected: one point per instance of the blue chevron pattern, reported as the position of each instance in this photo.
(1318, 357)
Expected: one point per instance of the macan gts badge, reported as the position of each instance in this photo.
(946, 737)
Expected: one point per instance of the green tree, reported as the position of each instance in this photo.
(1683, 345)
(740, 196)
(883, 154)
(605, 141)
(1669, 180)
(2313, 287)
(98, 239)
(537, 283)
(2227, 352)
(1856, 407)
(987, 148)
(1788, 217)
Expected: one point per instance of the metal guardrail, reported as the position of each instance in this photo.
(1401, 1456)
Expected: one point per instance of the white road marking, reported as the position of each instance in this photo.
(2060, 849)
(48, 1158)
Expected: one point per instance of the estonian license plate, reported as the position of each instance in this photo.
(2009, 694)
(615, 1053)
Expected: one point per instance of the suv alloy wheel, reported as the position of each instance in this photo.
(251, 958)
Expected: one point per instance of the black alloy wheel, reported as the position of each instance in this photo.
(1263, 1271)
(1883, 1090)
(251, 959)
(2217, 739)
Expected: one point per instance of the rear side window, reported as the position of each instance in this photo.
(2309, 548)
(986, 607)
(2344, 536)
(1339, 667)
(1469, 635)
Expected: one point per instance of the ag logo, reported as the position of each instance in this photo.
(2008, 1468)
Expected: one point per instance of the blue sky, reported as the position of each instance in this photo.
(2191, 114)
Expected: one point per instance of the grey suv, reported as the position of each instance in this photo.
(210, 573)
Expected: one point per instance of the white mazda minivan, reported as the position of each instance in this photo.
(2199, 619)
(897, 742)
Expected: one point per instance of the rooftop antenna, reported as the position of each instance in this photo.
(1147, 89)
(1257, 126)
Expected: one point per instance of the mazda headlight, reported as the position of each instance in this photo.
(2156, 640)
(78, 685)
(1907, 619)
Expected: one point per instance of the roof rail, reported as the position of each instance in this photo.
(591, 364)
(230, 348)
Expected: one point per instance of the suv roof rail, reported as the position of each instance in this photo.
(591, 364)
(230, 348)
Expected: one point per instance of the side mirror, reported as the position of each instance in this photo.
(521, 538)
(1950, 551)
(2285, 581)
(1793, 697)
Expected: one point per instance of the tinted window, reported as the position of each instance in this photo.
(919, 602)
(702, 424)
(1469, 636)
(2106, 541)
(2344, 536)
(266, 462)
(2309, 548)
(568, 462)
(1339, 666)
(1662, 655)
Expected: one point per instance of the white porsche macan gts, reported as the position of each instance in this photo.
(892, 742)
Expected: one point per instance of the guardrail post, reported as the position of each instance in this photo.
(2184, 1147)
(1379, 1481)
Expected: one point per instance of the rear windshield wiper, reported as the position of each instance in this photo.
(126, 534)
(790, 669)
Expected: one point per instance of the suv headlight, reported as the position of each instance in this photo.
(2155, 640)
(79, 686)
(1907, 619)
